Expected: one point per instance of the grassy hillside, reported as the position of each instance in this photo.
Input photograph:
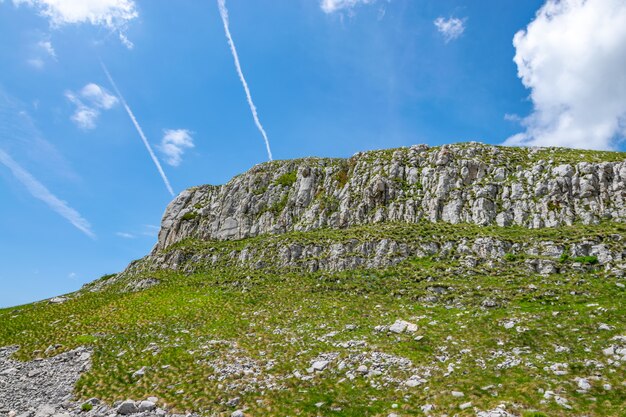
(493, 332)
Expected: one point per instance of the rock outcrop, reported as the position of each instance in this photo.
(540, 257)
(464, 183)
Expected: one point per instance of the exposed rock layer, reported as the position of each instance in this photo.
(465, 183)
(540, 256)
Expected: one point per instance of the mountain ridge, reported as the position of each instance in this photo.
(462, 183)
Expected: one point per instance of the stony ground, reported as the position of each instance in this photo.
(45, 388)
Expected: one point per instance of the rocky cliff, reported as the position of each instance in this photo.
(463, 183)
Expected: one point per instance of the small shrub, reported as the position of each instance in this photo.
(279, 206)
(329, 203)
(564, 257)
(587, 260)
(287, 179)
(342, 177)
(86, 407)
(106, 276)
(534, 414)
(554, 205)
(190, 215)
(510, 257)
(260, 190)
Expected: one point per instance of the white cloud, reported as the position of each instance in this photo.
(85, 117)
(332, 6)
(512, 118)
(125, 235)
(572, 58)
(173, 145)
(451, 28)
(41, 52)
(36, 63)
(39, 191)
(46, 46)
(111, 14)
(98, 96)
(89, 101)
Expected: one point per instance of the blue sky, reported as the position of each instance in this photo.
(83, 197)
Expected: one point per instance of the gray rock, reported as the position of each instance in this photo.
(233, 402)
(319, 365)
(398, 327)
(489, 303)
(465, 405)
(127, 407)
(45, 410)
(498, 412)
(140, 372)
(146, 406)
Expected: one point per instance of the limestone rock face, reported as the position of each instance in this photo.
(464, 183)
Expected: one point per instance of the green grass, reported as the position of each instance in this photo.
(589, 260)
(278, 321)
(287, 179)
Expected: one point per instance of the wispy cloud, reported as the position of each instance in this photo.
(148, 230)
(332, 6)
(36, 63)
(151, 230)
(139, 130)
(111, 14)
(47, 47)
(451, 28)
(224, 14)
(20, 137)
(39, 191)
(571, 57)
(173, 145)
(40, 52)
(89, 101)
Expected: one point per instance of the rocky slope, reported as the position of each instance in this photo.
(415, 281)
(464, 183)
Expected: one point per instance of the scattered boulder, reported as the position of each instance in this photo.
(401, 326)
(319, 366)
(146, 406)
(465, 405)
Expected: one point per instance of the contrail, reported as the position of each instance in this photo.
(139, 130)
(224, 13)
(39, 191)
